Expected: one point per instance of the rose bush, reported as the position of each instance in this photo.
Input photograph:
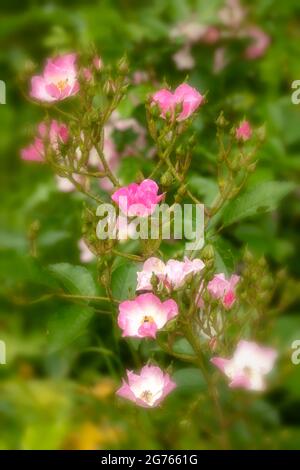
(204, 334)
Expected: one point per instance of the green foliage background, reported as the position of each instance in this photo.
(64, 360)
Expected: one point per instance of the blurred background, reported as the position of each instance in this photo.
(57, 386)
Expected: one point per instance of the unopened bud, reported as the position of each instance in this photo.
(155, 110)
(262, 262)
(123, 66)
(109, 88)
(248, 257)
(261, 133)
(168, 115)
(97, 63)
(192, 140)
(166, 179)
(179, 150)
(221, 121)
(208, 254)
(251, 167)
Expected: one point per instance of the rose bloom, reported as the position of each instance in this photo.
(244, 131)
(171, 275)
(221, 288)
(56, 134)
(58, 80)
(138, 199)
(248, 365)
(148, 388)
(143, 316)
(188, 97)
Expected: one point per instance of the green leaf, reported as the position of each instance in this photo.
(67, 324)
(189, 378)
(257, 200)
(124, 281)
(182, 346)
(76, 279)
(203, 187)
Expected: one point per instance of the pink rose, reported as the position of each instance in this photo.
(244, 131)
(189, 97)
(56, 134)
(248, 365)
(221, 288)
(151, 266)
(147, 389)
(138, 199)
(58, 81)
(143, 316)
(171, 275)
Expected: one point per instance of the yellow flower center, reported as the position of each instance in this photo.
(248, 372)
(61, 85)
(147, 396)
(148, 319)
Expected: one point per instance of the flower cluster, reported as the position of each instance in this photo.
(184, 296)
(233, 24)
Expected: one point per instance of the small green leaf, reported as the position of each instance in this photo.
(259, 199)
(76, 279)
(124, 281)
(67, 324)
(204, 187)
(189, 378)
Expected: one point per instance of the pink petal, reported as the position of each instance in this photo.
(220, 362)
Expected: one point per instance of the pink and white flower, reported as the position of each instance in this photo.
(187, 96)
(56, 134)
(145, 315)
(58, 80)
(183, 58)
(233, 14)
(248, 365)
(191, 31)
(171, 275)
(244, 131)
(148, 388)
(221, 288)
(138, 199)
